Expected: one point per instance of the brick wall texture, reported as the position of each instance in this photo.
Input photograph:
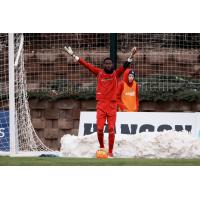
(53, 119)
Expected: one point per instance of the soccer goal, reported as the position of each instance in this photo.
(17, 135)
(35, 65)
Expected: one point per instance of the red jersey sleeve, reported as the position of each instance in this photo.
(137, 97)
(89, 66)
(120, 89)
(120, 71)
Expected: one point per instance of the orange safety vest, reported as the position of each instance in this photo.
(128, 97)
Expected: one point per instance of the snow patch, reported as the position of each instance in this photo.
(166, 144)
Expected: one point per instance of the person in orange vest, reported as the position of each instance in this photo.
(127, 93)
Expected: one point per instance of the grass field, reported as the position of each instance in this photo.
(56, 161)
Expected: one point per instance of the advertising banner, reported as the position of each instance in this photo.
(138, 122)
(4, 131)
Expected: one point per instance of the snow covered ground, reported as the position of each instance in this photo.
(145, 145)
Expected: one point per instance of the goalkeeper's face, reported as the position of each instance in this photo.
(108, 66)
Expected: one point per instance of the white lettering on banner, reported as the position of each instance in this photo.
(138, 122)
(2, 134)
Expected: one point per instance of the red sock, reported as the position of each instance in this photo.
(111, 140)
(100, 136)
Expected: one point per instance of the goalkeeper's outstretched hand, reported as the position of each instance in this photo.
(133, 52)
(69, 50)
(71, 53)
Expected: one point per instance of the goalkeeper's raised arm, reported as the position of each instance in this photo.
(127, 63)
(89, 66)
(131, 57)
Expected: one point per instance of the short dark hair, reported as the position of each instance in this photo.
(108, 58)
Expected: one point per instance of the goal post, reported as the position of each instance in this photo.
(11, 71)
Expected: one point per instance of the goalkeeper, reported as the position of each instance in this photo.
(106, 95)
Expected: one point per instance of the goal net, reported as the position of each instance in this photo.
(165, 61)
(50, 68)
(17, 132)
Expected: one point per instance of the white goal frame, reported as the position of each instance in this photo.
(14, 149)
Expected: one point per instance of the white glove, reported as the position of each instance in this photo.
(71, 53)
(133, 51)
(69, 50)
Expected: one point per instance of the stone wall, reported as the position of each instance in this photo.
(53, 119)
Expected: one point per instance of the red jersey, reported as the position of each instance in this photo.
(106, 83)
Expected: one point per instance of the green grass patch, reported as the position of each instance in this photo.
(57, 161)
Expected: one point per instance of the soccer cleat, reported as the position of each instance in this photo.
(110, 155)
